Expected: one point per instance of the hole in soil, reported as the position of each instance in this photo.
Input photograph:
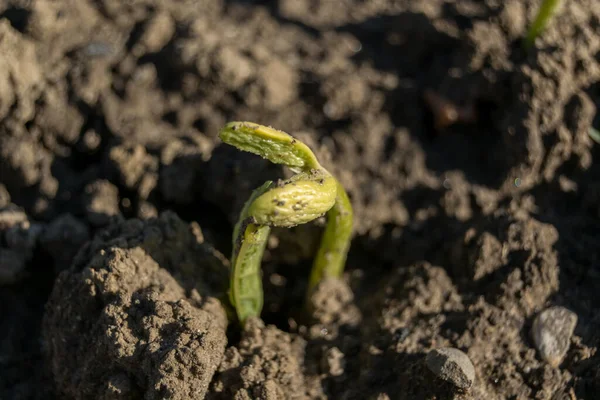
(474, 148)
(170, 117)
(214, 223)
(234, 334)
(128, 202)
(135, 35)
(168, 75)
(456, 322)
(389, 147)
(200, 125)
(93, 140)
(285, 302)
(18, 17)
(464, 22)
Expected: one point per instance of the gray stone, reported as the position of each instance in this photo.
(551, 332)
(451, 365)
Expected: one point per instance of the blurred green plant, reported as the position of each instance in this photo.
(309, 194)
(594, 134)
(547, 10)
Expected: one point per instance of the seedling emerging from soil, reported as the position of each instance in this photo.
(547, 10)
(306, 196)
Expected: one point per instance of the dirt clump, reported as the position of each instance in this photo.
(120, 313)
(267, 364)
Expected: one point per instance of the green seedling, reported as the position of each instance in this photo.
(595, 134)
(547, 10)
(306, 196)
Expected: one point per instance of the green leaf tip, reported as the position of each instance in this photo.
(309, 194)
(272, 144)
(547, 10)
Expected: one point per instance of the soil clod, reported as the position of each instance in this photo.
(451, 365)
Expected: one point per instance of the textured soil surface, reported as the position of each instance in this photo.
(117, 200)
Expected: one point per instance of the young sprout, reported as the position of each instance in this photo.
(306, 196)
(547, 10)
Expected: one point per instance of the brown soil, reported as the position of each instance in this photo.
(475, 184)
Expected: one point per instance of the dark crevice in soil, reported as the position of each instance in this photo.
(214, 223)
(18, 17)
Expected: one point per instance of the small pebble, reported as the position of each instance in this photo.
(333, 362)
(451, 365)
(91, 141)
(551, 331)
(97, 49)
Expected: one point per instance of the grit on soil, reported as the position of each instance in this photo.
(117, 200)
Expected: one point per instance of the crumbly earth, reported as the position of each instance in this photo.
(464, 232)
(128, 320)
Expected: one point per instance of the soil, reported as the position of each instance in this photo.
(468, 160)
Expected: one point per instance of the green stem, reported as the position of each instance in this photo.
(595, 135)
(331, 257)
(249, 243)
(246, 281)
(547, 9)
